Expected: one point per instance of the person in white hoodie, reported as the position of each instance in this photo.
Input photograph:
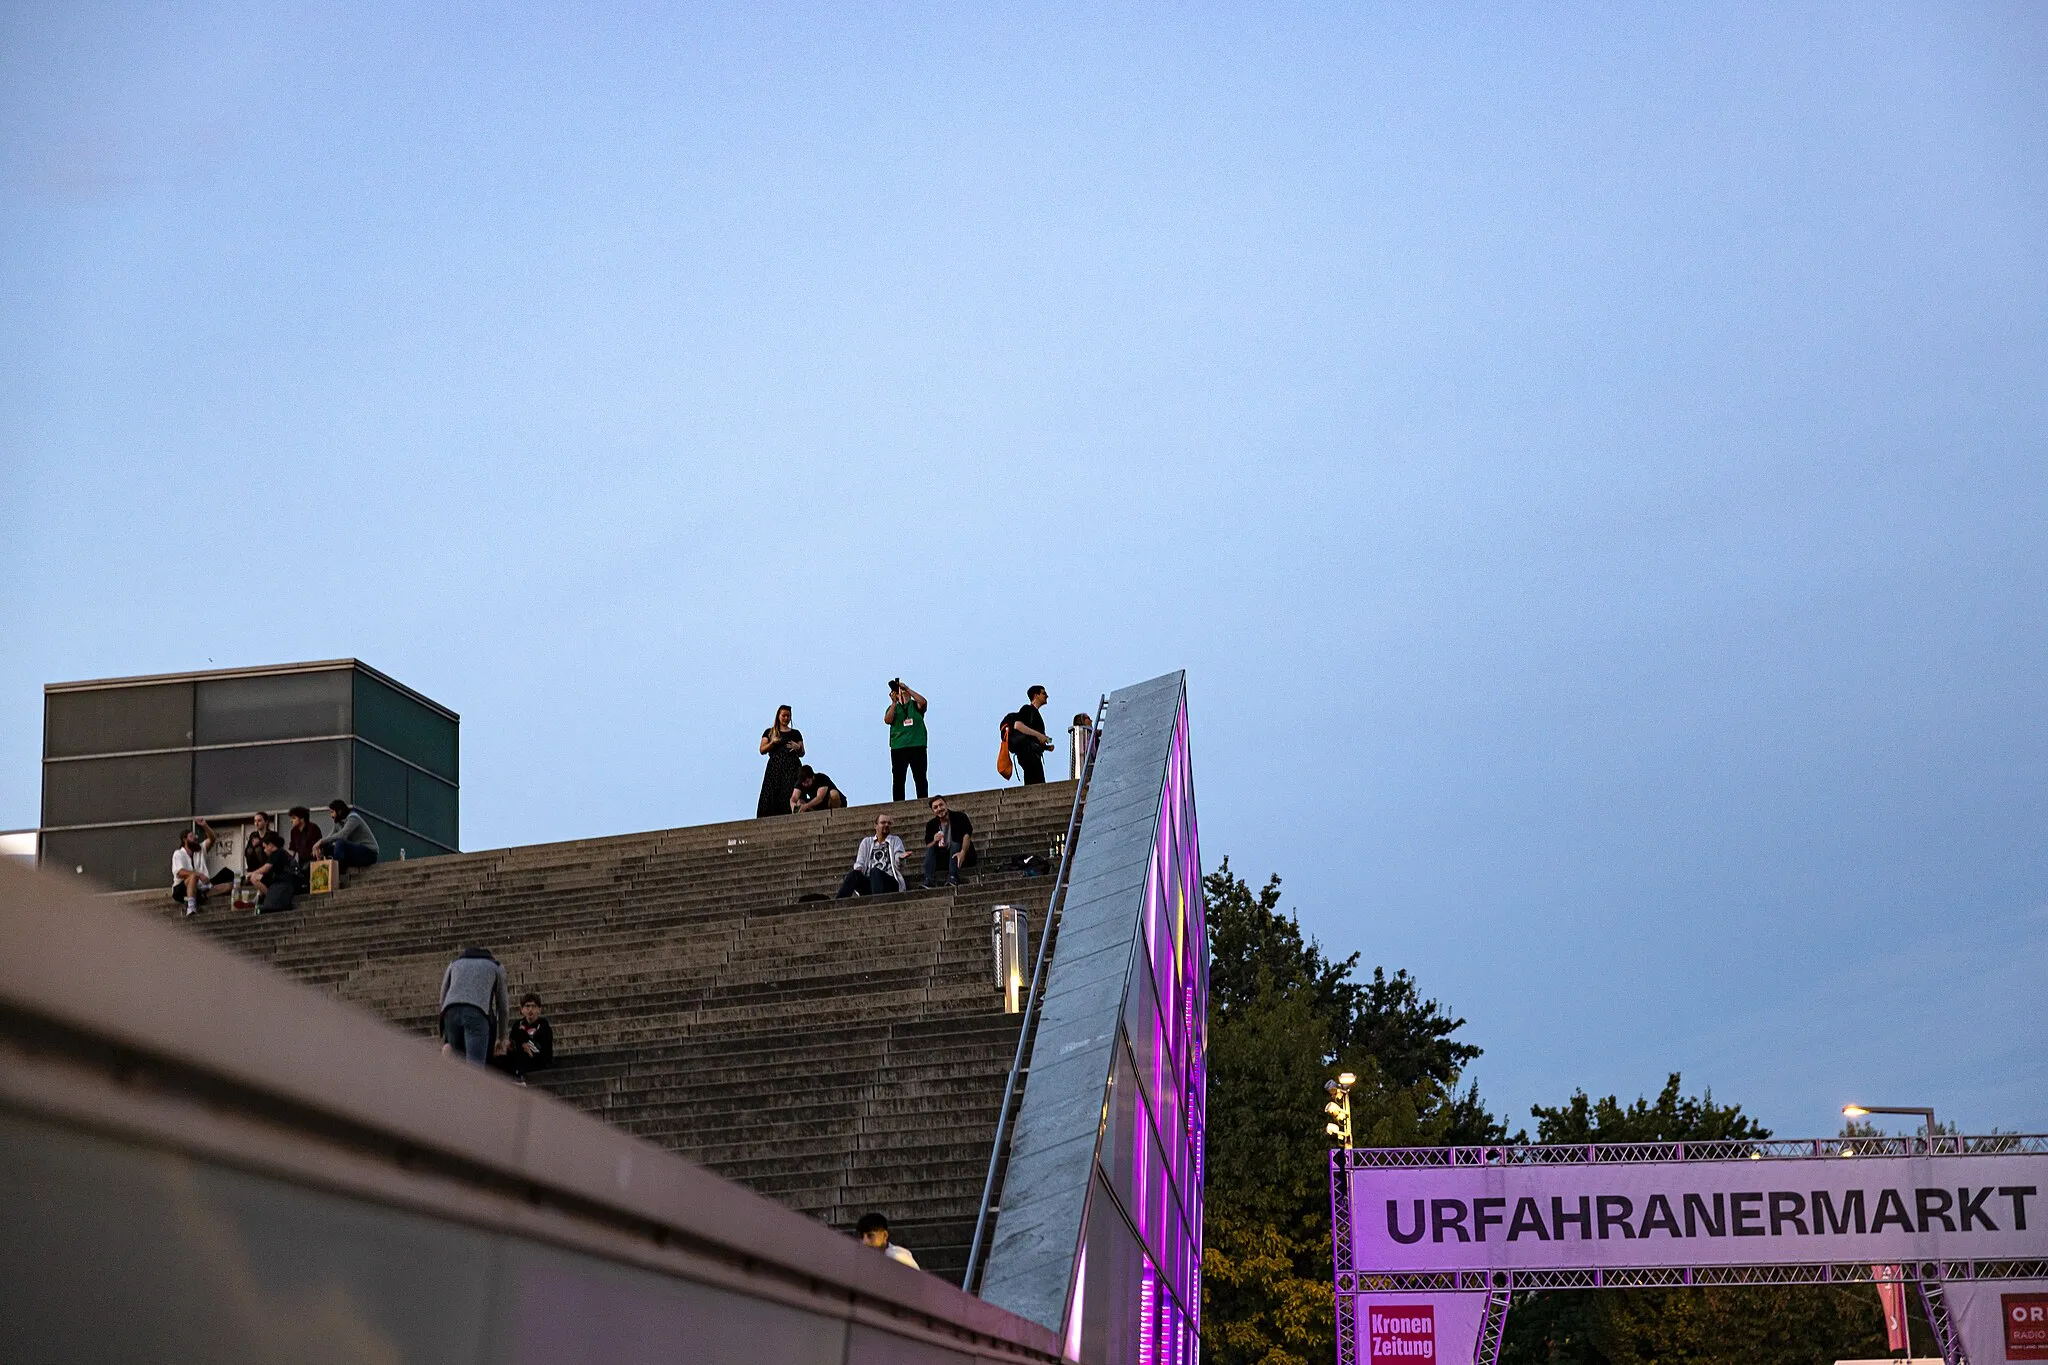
(877, 864)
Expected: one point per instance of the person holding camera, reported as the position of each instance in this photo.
(905, 719)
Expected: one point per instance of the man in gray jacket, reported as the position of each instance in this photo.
(473, 1009)
(352, 844)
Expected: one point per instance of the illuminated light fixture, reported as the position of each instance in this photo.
(1009, 937)
(1339, 1107)
(1857, 1111)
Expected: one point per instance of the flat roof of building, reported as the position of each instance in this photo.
(259, 671)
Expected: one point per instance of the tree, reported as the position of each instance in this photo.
(1752, 1325)
(1283, 1018)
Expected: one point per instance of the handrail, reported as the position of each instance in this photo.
(1053, 905)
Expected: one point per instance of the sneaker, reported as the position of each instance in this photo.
(191, 905)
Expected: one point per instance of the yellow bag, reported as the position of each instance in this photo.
(323, 877)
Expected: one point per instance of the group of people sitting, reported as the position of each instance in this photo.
(878, 862)
(473, 1018)
(278, 863)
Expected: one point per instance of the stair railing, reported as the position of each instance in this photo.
(1055, 906)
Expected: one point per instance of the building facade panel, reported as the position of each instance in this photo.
(117, 720)
(130, 762)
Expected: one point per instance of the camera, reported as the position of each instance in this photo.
(895, 683)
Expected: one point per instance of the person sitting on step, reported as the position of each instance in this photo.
(873, 1231)
(532, 1044)
(877, 864)
(948, 845)
(276, 877)
(192, 874)
(352, 844)
(815, 791)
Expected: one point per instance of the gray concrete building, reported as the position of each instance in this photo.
(128, 763)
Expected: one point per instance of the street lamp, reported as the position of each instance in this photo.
(1857, 1111)
(1339, 1107)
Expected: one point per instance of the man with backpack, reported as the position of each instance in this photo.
(1027, 740)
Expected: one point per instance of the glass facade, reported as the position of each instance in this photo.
(128, 763)
(1098, 1231)
(1137, 1294)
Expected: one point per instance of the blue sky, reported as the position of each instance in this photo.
(1592, 462)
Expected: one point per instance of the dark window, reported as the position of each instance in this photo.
(380, 784)
(281, 706)
(420, 734)
(272, 777)
(125, 859)
(113, 720)
(95, 791)
(431, 807)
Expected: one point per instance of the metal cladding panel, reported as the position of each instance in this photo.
(1052, 1153)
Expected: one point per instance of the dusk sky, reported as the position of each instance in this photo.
(1592, 462)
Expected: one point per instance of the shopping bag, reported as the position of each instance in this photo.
(323, 876)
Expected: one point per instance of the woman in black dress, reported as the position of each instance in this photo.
(784, 745)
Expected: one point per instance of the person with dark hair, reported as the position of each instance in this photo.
(815, 791)
(948, 845)
(784, 745)
(1028, 741)
(192, 874)
(253, 853)
(352, 844)
(303, 841)
(905, 719)
(873, 1231)
(277, 877)
(532, 1045)
(877, 864)
(473, 1005)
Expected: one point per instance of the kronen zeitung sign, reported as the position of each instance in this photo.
(1773, 1210)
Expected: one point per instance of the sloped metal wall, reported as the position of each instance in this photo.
(1100, 1236)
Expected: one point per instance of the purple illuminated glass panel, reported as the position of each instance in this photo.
(1141, 1296)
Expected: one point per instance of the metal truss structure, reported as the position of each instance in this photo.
(1737, 1149)
(1929, 1277)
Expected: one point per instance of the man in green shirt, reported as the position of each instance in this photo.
(905, 719)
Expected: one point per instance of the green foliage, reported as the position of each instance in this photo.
(1673, 1118)
(1284, 1018)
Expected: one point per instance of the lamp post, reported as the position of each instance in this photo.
(1339, 1108)
(1857, 1111)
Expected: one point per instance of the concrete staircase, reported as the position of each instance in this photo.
(838, 1056)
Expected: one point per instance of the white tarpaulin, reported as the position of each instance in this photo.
(1773, 1210)
(2000, 1320)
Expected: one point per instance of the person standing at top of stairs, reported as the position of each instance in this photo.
(784, 745)
(1029, 743)
(905, 719)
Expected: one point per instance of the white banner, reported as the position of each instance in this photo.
(1433, 1329)
(2000, 1320)
(1774, 1210)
